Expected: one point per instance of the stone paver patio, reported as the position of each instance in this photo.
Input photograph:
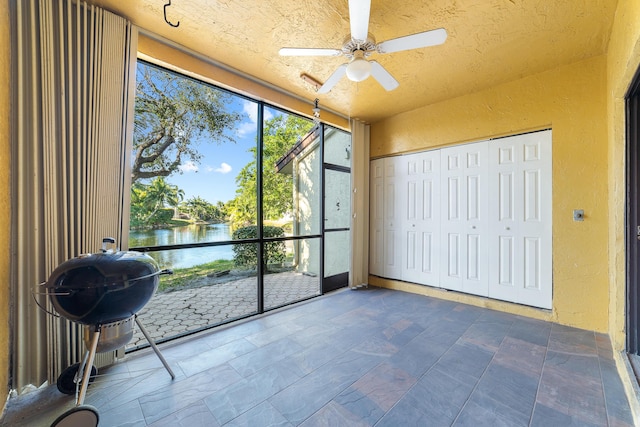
(175, 313)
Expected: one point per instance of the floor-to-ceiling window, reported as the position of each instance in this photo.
(226, 192)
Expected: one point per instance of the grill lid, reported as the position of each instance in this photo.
(103, 287)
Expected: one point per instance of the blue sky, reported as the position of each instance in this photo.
(213, 178)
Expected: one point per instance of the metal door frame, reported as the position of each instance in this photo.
(339, 280)
(632, 216)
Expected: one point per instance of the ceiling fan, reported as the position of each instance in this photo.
(360, 45)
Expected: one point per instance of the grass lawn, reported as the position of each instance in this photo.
(182, 277)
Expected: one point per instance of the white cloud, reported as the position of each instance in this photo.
(188, 167)
(246, 128)
(268, 115)
(251, 110)
(224, 168)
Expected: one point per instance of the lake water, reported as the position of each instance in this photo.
(194, 233)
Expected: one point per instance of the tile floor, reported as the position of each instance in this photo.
(361, 358)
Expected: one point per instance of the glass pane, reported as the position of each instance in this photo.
(337, 208)
(306, 192)
(192, 233)
(203, 291)
(293, 271)
(291, 174)
(337, 147)
(193, 160)
(336, 252)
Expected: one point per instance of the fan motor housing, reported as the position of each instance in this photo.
(351, 45)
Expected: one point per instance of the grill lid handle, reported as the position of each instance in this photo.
(105, 241)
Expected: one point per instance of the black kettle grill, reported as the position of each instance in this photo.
(104, 292)
(104, 287)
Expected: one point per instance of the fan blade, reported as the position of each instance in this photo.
(333, 79)
(302, 51)
(414, 41)
(383, 77)
(359, 19)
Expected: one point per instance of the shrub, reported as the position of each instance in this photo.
(246, 254)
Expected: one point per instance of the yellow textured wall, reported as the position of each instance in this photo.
(5, 199)
(572, 101)
(623, 59)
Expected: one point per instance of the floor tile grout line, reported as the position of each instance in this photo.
(320, 366)
(544, 362)
(604, 392)
(475, 387)
(385, 307)
(429, 370)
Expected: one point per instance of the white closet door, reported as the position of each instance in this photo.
(464, 218)
(520, 224)
(376, 219)
(421, 218)
(392, 218)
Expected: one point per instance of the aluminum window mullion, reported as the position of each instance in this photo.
(259, 213)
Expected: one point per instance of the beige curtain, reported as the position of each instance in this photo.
(73, 85)
(359, 271)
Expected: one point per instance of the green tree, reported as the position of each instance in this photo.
(201, 210)
(148, 200)
(161, 194)
(280, 134)
(222, 208)
(139, 208)
(172, 113)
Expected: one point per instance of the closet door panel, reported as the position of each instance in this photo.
(476, 192)
(412, 249)
(521, 219)
(376, 218)
(451, 175)
(464, 173)
(536, 226)
(503, 211)
(393, 217)
(421, 222)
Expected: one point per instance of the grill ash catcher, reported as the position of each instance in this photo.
(103, 291)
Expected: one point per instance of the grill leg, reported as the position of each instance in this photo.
(77, 378)
(89, 364)
(155, 348)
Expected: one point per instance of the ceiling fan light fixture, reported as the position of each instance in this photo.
(358, 70)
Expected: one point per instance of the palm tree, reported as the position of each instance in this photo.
(174, 200)
(159, 193)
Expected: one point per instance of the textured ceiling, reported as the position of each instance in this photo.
(490, 42)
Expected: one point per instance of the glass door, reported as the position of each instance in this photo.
(337, 209)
